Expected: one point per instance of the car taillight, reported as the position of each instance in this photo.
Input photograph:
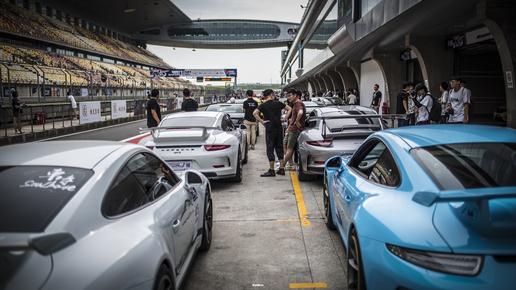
(216, 147)
(320, 143)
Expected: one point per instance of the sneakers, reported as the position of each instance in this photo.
(280, 171)
(269, 173)
(252, 147)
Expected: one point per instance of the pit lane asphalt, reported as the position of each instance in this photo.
(259, 238)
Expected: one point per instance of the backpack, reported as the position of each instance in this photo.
(435, 112)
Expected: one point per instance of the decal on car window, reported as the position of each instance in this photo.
(55, 179)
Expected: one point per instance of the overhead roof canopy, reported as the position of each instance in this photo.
(128, 16)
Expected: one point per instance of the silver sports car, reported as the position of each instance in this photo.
(333, 131)
(235, 111)
(98, 215)
(205, 141)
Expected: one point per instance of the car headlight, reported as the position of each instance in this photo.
(468, 265)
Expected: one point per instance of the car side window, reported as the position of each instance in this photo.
(142, 180)
(378, 165)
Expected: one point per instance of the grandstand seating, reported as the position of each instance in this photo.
(26, 64)
(42, 27)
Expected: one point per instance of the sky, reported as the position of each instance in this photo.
(254, 65)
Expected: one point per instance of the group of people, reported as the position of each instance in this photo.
(154, 111)
(420, 107)
(269, 115)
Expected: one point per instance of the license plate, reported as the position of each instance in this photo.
(180, 165)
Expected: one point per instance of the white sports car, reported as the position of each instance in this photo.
(98, 215)
(205, 141)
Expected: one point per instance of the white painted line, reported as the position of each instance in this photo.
(87, 131)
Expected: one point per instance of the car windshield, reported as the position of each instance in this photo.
(189, 121)
(470, 165)
(226, 108)
(33, 195)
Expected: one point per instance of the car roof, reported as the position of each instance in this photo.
(208, 114)
(430, 135)
(81, 154)
(225, 105)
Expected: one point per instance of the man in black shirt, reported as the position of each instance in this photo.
(377, 98)
(402, 104)
(271, 110)
(153, 110)
(189, 104)
(249, 120)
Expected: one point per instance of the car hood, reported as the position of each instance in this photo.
(481, 226)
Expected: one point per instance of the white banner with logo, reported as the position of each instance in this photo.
(89, 112)
(118, 109)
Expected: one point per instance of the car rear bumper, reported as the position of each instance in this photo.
(313, 161)
(214, 165)
(383, 270)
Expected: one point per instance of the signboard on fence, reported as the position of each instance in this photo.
(89, 112)
(118, 109)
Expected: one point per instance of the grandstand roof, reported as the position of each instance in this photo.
(128, 16)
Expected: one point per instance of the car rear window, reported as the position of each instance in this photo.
(472, 165)
(190, 121)
(32, 196)
(226, 109)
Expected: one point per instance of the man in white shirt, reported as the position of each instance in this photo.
(73, 104)
(352, 99)
(459, 99)
(424, 103)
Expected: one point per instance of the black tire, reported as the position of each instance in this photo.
(355, 272)
(328, 218)
(207, 225)
(238, 175)
(245, 153)
(300, 172)
(164, 279)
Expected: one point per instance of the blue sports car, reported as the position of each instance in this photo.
(427, 207)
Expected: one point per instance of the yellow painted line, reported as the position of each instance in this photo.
(299, 199)
(307, 285)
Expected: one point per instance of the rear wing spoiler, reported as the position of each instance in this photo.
(360, 126)
(153, 129)
(477, 194)
(203, 128)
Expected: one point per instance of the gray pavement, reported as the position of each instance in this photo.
(259, 241)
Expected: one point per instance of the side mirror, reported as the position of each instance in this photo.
(193, 178)
(243, 127)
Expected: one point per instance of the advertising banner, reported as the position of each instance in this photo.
(89, 112)
(118, 109)
(194, 73)
(84, 92)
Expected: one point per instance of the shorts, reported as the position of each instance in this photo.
(285, 138)
(292, 139)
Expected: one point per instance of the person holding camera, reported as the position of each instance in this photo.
(17, 111)
(423, 102)
(402, 106)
